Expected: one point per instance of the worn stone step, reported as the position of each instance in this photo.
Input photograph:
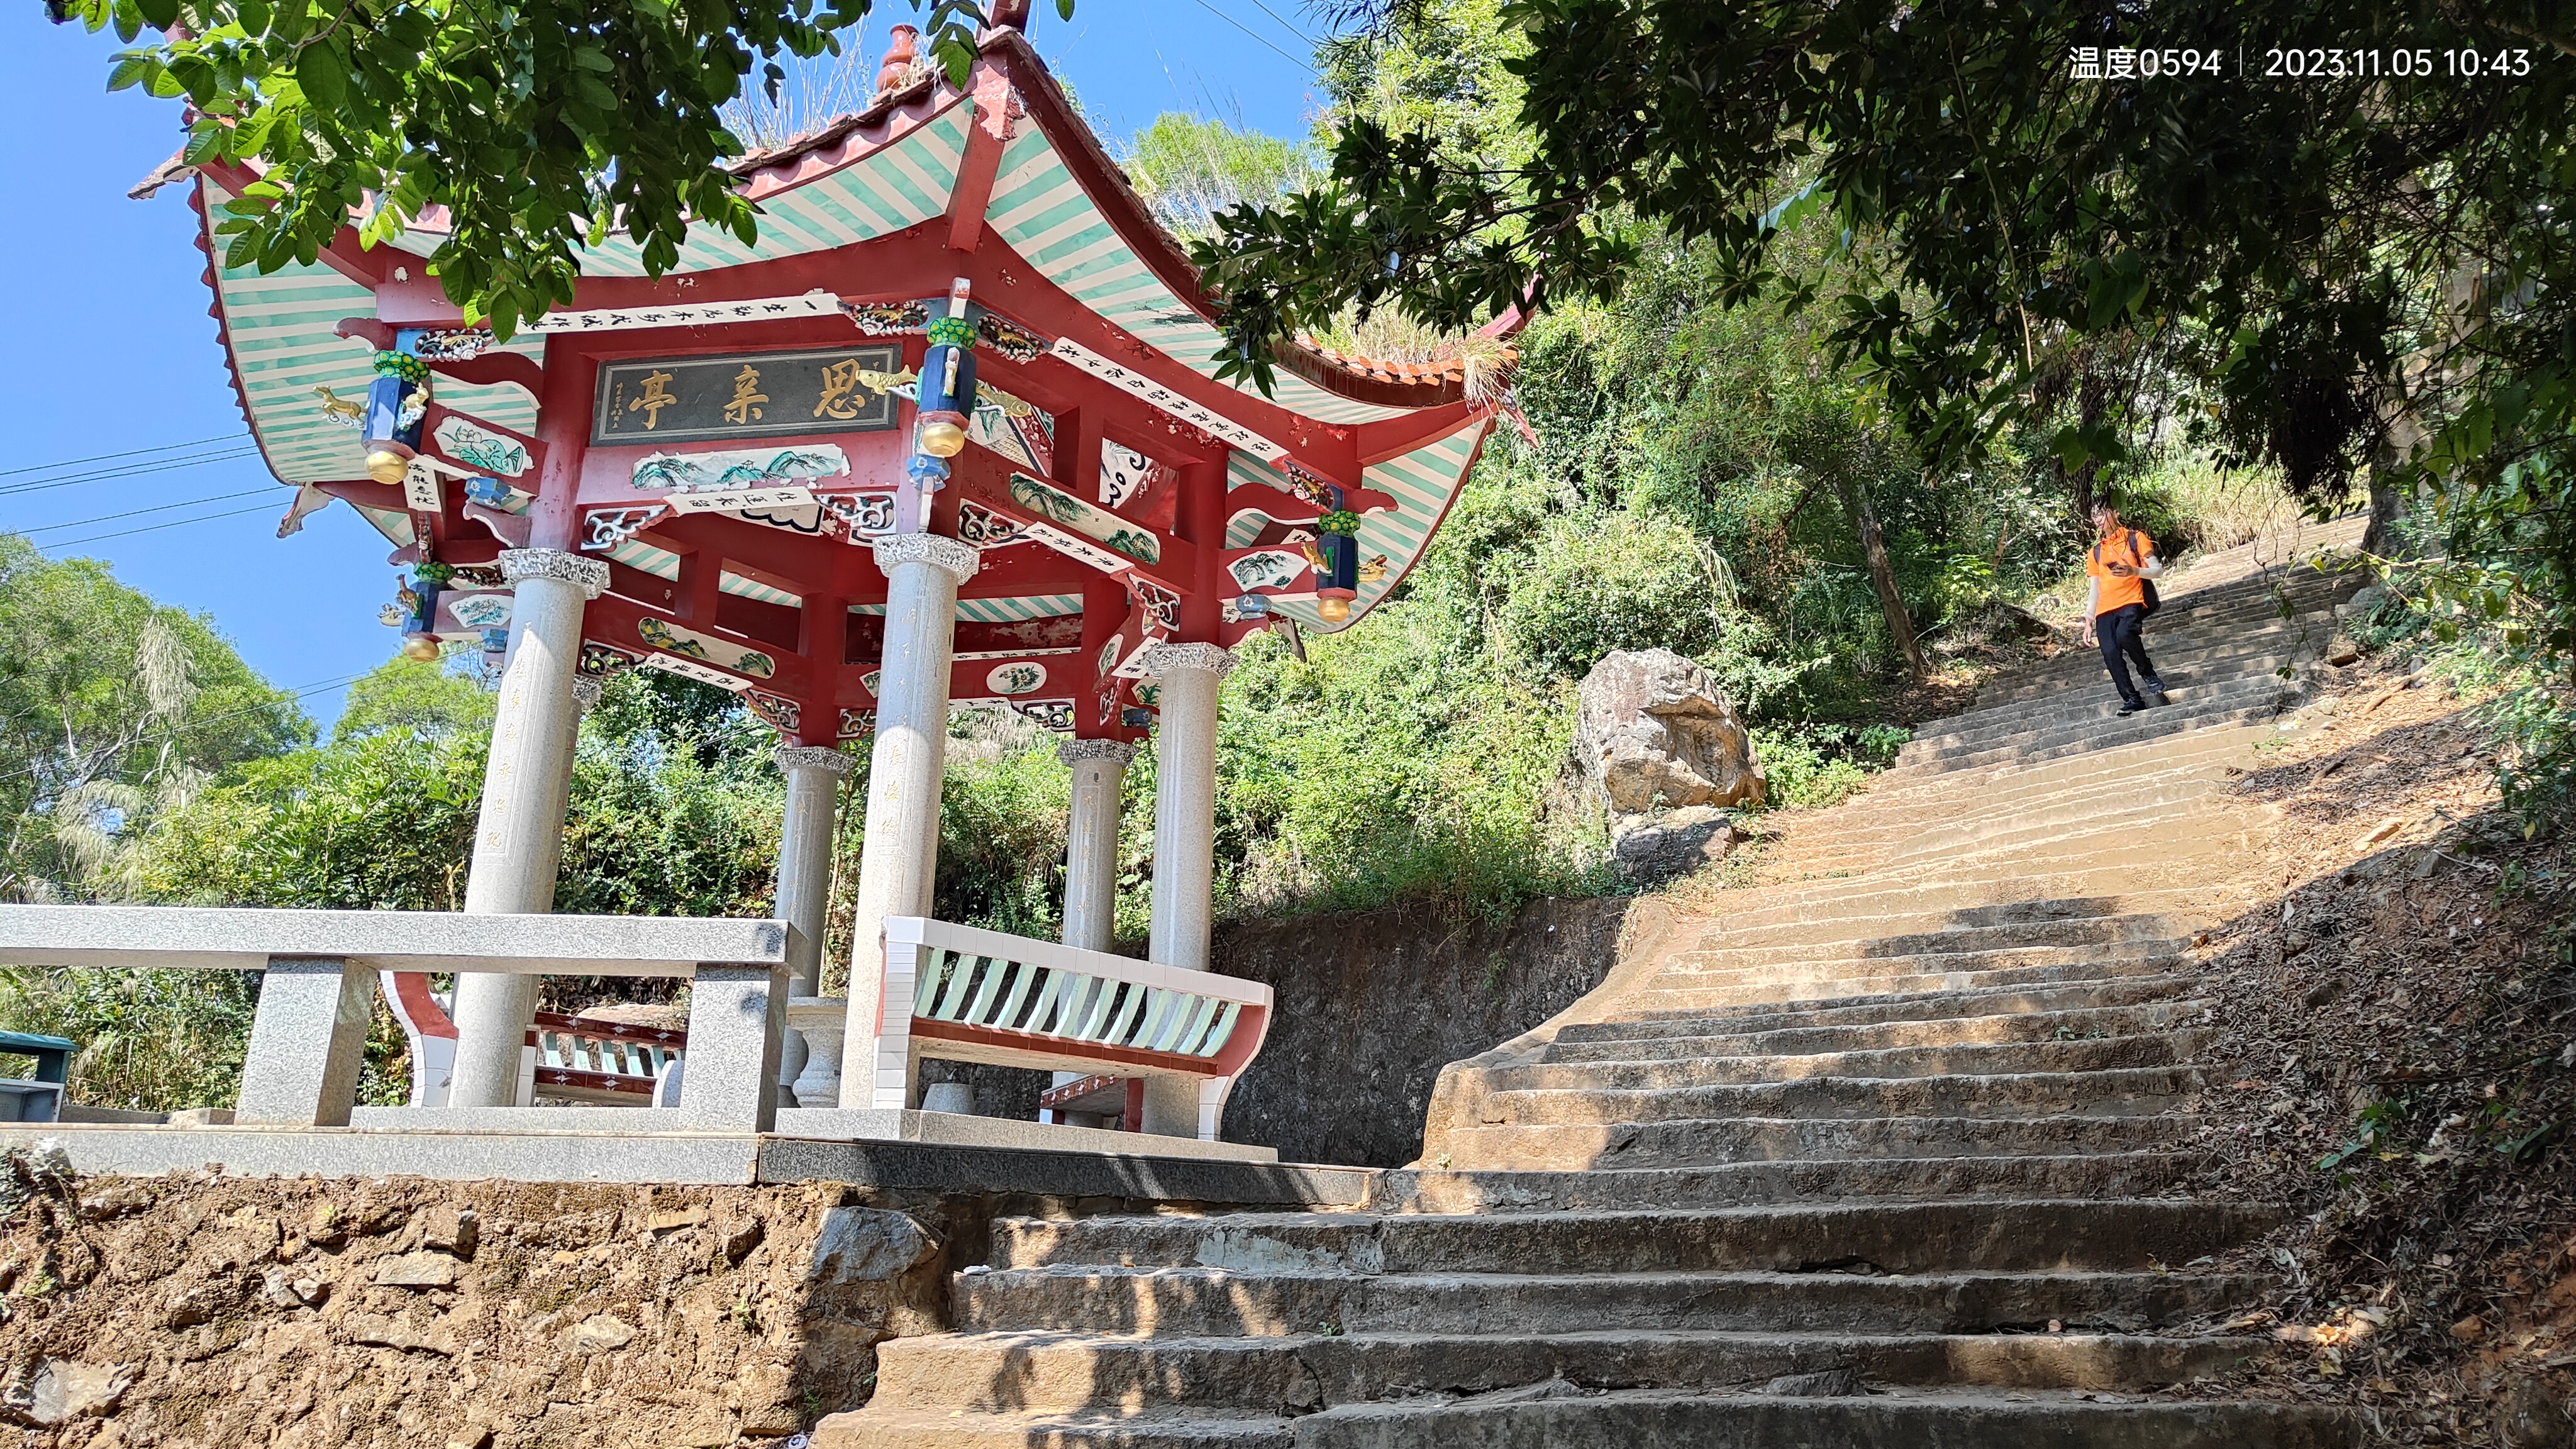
(1480, 1187)
(2088, 700)
(2257, 694)
(1897, 1237)
(2007, 797)
(1885, 1008)
(1769, 990)
(1950, 1032)
(1708, 1142)
(2115, 1053)
(2112, 1092)
(1043, 1372)
(1838, 955)
(1154, 1428)
(2145, 809)
(2178, 718)
(1563, 1417)
(1217, 1303)
(2162, 723)
(2065, 853)
(1971, 925)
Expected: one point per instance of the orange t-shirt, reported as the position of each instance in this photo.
(2125, 546)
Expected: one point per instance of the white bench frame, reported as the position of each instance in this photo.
(1016, 1002)
(317, 998)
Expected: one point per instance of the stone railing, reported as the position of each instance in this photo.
(983, 996)
(318, 994)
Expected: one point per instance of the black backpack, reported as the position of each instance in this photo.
(2148, 603)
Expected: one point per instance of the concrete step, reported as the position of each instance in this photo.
(1898, 816)
(1481, 1188)
(2115, 1053)
(1558, 1415)
(1706, 1142)
(2142, 812)
(1874, 1010)
(1050, 1372)
(2182, 716)
(2162, 835)
(2115, 1091)
(1215, 1303)
(2123, 1234)
(1563, 1417)
(1769, 991)
(1716, 967)
(1941, 1032)
(2092, 706)
(2122, 863)
(2162, 722)
(2081, 702)
(2011, 926)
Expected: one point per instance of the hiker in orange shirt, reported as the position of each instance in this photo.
(2118, 602)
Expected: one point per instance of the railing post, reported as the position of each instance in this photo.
(307, 1042)
(889, 1081)
(730, 1078)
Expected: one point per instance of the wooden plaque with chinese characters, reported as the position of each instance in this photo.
(747, 395)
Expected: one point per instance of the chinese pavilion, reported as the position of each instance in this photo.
(949, 432)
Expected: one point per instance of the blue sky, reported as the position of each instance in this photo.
(111, 349)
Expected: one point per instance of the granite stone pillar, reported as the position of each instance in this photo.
(518, 841)
(1184, 841)
(814, 774)
(923, 573)
(1091, 840)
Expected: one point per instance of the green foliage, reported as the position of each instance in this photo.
(1002, 813)
(112, 709)
(1812, 767)
(1601, 581)
(1188, 169)
(541, 126)
(430, 697)
(154, 1040)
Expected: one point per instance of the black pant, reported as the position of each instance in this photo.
(2119, 630)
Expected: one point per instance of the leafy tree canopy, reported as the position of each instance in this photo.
(2299, 241)
(111, 709)
(427, 696)
(540, 126)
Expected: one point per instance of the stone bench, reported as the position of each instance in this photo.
(983, 996)
(317, 997)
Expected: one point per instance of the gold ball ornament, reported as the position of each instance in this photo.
(420, 648)
(1333, 609)
(942, 435)
(387, 467)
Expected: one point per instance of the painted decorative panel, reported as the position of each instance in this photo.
(743, 470)
(1272, 568)
(689, 644)
(1054, 504)
(478, 447)
(1016, 679)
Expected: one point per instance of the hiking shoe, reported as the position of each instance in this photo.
(2155, 687)
(2127, 710)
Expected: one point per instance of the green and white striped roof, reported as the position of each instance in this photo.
(1046, 216)
(902, 185)
(1421, 482)
(281, 327)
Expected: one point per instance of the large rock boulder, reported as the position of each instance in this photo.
(1668, 755)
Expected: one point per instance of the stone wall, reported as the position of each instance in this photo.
(1372, 1005)
(210, 1311)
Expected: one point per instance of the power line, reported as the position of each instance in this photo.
(156, 508)
(103, 457)
(1283, 22)
(130, 470)
(1306, 65)
(157, 527)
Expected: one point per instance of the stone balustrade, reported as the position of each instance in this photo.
(318, 992)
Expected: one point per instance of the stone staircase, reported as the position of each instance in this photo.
(1887, 1156)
